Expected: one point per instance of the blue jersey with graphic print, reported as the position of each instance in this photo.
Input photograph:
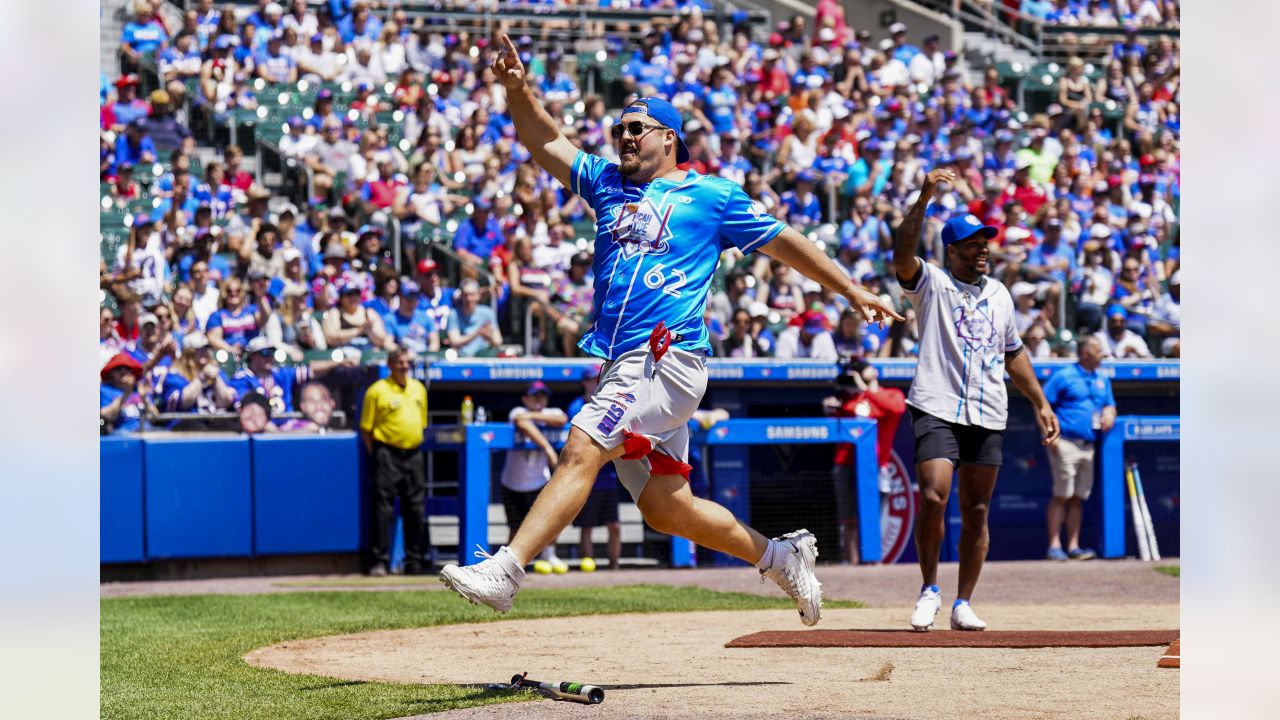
(657, 247)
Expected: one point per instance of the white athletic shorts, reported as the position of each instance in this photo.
(646, 408)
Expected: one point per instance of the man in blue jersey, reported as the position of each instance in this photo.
(659, 234)
(260, 375)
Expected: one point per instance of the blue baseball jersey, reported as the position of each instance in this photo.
(277, 386)
(657, 248)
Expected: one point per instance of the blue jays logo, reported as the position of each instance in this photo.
(974, 327)
(641, 228)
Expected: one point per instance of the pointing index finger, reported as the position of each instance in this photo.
(510, 46)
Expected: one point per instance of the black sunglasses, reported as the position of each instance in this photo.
(635, 127)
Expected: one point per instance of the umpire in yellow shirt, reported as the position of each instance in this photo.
(392, 423)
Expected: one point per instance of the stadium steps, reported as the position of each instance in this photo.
(981, 50)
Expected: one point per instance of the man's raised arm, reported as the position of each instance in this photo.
(537, 130)
(907, 239)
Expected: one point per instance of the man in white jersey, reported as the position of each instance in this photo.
(958, 401)
(659, 234)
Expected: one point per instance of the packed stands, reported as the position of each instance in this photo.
(328, 175)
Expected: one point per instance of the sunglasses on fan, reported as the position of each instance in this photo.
(635, 128)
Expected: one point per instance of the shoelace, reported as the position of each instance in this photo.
(480, 552)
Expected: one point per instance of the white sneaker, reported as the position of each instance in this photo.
(926, 608)
(494, 581)
(964, 618)
(794, 574)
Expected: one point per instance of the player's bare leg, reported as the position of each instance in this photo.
(563, 497)
(935, 488)
(496, 580)
(977, 482)
(669, 506)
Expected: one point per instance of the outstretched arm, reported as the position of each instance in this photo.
(537, 130)
(796, 250)
(907, 239)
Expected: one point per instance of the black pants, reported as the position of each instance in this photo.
(399, 473)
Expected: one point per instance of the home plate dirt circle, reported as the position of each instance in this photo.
(950, 639)
(677, 665)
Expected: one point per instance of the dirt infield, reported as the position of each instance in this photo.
(677, 666)
(951, 639)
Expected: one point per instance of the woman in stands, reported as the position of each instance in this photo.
(351, 324)
(236, 322)
(467, 155)
(799, 149)
(780, 293)
(292, 327)
(194, 382)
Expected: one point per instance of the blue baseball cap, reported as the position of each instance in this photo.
(536, 387)
(1117, 311)
(667, 116)
(963, 227)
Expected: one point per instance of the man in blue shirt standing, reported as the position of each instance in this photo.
(1081, 398)
(659, 234)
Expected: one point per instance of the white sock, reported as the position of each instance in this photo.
(766, 561)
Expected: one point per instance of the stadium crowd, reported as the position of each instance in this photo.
(825, 126)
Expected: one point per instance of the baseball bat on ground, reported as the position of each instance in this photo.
(1146, 515)
(575, 692)
(1139, 528)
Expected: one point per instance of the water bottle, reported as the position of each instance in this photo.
(468, 410)
(482, 417)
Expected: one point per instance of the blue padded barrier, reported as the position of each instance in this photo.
(198, 498)
(121, 531)
(306, 494)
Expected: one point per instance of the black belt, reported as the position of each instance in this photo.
(396, 450)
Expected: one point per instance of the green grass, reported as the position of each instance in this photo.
(1170, 570)
(180, 656)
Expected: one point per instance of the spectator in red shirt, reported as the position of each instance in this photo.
(236, 176)
(381, 192)
(774, 81)
(130, 310)
(859, 395)
(1027, 194)
(995, 95)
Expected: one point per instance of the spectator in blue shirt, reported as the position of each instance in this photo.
(1081, 398)
(801, 204)
(902, 50)
(359, 24)
(477, 238)
(127, 107)
(1054, 261)
(141, 37)
(409, 325)
(134, 146)
(473, 328)
(272, 65)
(261, 375)
(870, 172)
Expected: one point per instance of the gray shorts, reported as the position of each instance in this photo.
(1071, 463)
(646, 408)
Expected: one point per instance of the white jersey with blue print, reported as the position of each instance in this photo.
(657, 247)
(965, 331)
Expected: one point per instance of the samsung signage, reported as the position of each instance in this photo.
(796, 432)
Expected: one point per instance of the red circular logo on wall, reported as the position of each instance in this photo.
(898, 512)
